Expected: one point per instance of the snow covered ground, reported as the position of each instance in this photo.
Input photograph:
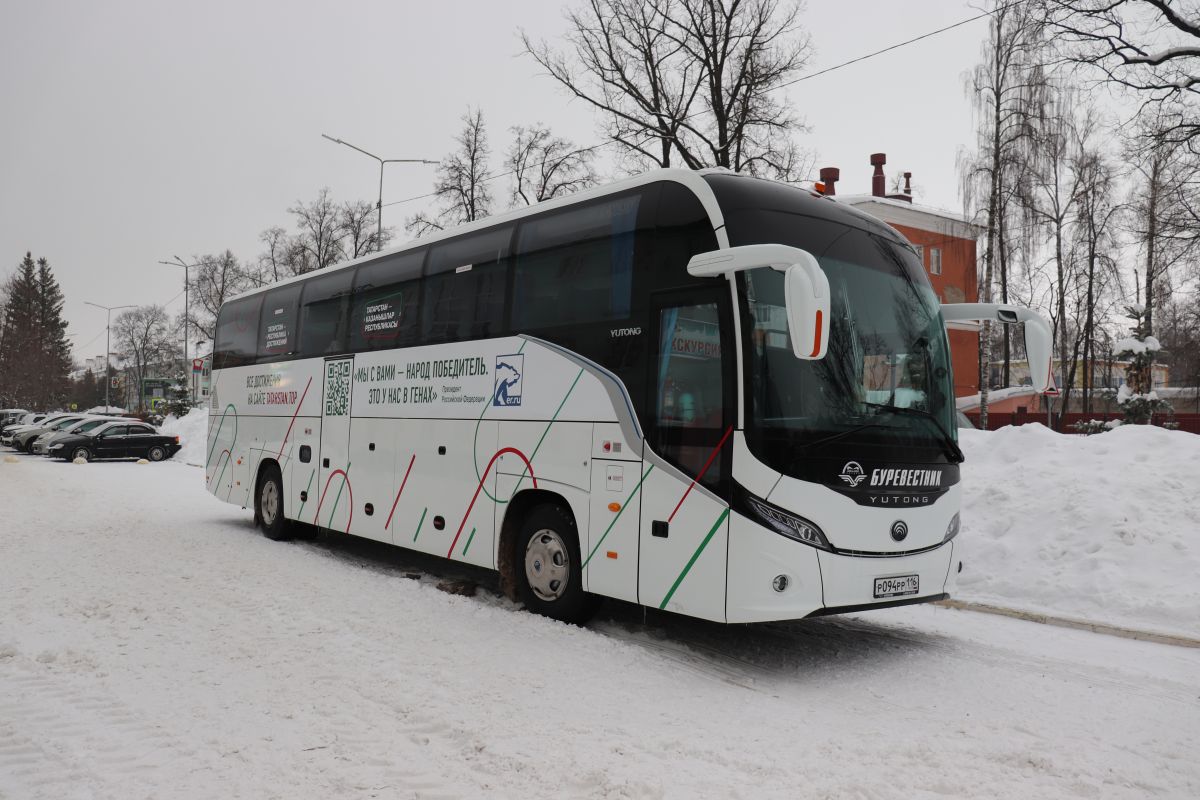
(1104, 528)
(153, 644)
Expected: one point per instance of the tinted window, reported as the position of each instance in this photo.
(324, 313)
(140, 429)
(237, 333)
(387, 302)
(277, 328)
(576, 266)
(87, 426)
(464, 287)
(684, 229)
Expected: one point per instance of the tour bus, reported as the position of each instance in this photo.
(698, 391)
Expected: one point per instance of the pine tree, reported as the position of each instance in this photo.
(54, 350)
(19, 345)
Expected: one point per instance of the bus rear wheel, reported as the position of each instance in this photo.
(269, 505)
(548, 567)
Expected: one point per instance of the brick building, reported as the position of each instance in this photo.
(946, 244)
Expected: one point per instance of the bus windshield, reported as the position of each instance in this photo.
(885, 381)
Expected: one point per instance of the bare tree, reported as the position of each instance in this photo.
(545, 166)
(1151, 47)
(1006, 87)
(320, 240)
(693, 80)
(214, 279)
(360, 228)
(281, 259)
(143, 334)
(461, 187)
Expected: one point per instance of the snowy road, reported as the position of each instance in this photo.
(153, 644)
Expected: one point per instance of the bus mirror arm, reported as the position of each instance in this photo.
(805, 288)
(1039, 341)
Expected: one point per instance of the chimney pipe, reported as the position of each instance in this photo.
(878, 187)
(829, 177)
(908, 183)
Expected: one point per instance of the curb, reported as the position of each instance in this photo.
(1076, 624)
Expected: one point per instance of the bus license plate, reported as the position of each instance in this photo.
(897, 586)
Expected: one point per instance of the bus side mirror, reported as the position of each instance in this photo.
(1038, 337)
(806, 291)
(805, 288)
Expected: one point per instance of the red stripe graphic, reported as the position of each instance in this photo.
(349, 488)
(703, 470)
(475, 496)
(293, 422)
(388, 524)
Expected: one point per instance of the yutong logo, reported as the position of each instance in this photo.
(853, 473)
(899, 530)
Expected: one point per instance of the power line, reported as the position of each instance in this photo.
(825, 71)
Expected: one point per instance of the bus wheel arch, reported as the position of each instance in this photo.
(269, 471)
(529, 512)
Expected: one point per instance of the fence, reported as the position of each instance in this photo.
(1187, 422)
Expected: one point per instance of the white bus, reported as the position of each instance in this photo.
(698, 391)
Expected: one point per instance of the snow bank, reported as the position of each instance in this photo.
(192, 430)
(1104, 528)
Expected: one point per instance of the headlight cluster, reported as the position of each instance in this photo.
(952, 528)
(787, 524)
(56, 446)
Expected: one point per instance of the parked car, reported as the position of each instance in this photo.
(963, 420)
(28, 422)
(23, 419)
(23, 440)
(117, 439)
(41, 445)
(9, 416)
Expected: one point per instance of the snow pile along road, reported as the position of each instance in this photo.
(192, 431)
(1104, 528)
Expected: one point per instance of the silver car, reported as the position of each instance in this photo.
(41, 445)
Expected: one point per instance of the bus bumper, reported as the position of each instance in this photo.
(816, 582)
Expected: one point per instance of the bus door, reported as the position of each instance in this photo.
(685, 509)
(333, 498)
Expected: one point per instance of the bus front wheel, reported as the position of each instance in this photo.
(548, 567)
(269, 505)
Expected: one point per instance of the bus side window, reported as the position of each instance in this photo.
(463, 296)
(386, 303)
(277, 328)
(576, 266)
(237, 333)
(323, 313)
(683, 230)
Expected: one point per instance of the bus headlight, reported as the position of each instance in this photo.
(952, 528)
(784, 522)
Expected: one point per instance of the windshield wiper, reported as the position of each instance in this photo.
(951, 448)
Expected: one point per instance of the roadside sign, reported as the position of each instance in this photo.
(1052, 392)
(74, 406)
(197, 365)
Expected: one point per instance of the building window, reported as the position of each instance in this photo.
(935, 261)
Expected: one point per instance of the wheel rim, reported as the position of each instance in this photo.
(270, 503)
(82, 453)
(156, 454)
(547, 564)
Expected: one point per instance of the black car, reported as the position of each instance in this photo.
(116, 440)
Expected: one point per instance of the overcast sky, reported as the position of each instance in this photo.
(136, 131)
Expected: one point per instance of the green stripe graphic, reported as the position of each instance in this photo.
(618, 516)
(467, 546)
(695, 556)
(306, 488)
(419, 524)
(336, 500)
(538, 446)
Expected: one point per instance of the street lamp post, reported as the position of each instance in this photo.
(107, 344)
(382, 161)
(179, 262)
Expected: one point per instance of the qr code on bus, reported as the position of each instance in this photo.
(337, 388)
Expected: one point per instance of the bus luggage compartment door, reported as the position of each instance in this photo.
(334, 502)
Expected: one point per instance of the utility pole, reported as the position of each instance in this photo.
(179, 262)
(107, 345)
(382, 161)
